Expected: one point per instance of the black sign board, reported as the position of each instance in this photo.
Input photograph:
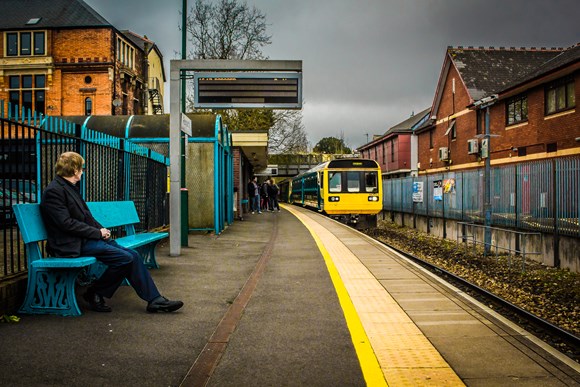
(248, 90)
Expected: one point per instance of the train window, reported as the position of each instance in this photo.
(353, 181)
(334, 182)
(371, 182)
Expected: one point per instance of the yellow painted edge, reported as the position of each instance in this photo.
(369, 363)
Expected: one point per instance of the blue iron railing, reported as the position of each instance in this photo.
(116, 170)
(538, 196)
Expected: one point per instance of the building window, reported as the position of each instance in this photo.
(88, 106)
(431, 139)
(560, 95)
(28, 91)
(392, 150)
(25, 43)
(552, 147)
(516, 109)
(384, 154)
(125, 53)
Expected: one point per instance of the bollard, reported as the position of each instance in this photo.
(184, 217)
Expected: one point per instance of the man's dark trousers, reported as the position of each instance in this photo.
(121, 263)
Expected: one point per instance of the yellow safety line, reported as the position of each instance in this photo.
(370, 366)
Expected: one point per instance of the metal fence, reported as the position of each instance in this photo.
(539, 196)
(116, 169)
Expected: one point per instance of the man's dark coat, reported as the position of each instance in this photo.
(67, 219)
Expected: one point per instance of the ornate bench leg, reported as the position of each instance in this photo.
(51, 291)
(147, 252)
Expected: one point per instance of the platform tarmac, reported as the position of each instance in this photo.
(292, 330)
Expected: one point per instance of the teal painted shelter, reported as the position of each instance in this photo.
(208, 160)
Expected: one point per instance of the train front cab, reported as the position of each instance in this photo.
(351, 191)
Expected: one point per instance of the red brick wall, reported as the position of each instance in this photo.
(82, 46)
(540, 130)
(452, 106)
(81, 53)
(534, 134)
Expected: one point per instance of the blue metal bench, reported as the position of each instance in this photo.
(51, 281)
(124, 214)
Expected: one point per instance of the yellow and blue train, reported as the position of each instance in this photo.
(348, 190)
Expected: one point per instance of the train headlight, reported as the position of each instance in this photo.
(373, 198)
(334, 198)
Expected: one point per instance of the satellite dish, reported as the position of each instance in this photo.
(117, 102)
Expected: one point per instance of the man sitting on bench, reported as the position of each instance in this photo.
(73, 232)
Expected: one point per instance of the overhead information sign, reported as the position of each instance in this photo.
(219, 90)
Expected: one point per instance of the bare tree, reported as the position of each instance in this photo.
(226, 30)
(287, 135)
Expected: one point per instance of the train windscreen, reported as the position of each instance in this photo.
(355, 181)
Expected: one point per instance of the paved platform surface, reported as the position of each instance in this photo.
(317, 304)
(292, 333)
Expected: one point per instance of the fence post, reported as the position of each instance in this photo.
(555, 215)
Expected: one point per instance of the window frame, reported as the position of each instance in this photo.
(16, 48)
(30, 95)
(125, 53)
(88, 106)
(518, 105)
(562, 89)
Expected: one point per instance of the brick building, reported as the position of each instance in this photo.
(532, 116)
(62, 58)
(396, 150)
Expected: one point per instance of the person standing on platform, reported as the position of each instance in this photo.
(251, 194)
(255, 194)
(264, 194)
(72, 231)
(273, 196)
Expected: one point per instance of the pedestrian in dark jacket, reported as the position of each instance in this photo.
(72, 231)
(264, 195)
(273, 196)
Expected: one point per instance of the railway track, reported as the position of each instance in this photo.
(564, 341)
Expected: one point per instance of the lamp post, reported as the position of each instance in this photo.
(481, 104)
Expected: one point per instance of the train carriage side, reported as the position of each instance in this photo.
(305, 188)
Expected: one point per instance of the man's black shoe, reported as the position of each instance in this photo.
(162, 304)
(96, 302)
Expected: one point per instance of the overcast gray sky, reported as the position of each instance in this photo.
(367, 64)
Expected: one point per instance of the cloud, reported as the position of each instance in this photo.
(368, 64)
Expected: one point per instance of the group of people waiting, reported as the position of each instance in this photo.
(263, 197)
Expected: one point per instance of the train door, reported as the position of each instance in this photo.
(321, 194)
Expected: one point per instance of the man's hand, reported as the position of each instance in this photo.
(105, 234)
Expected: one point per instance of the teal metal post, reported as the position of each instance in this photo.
(184, 192)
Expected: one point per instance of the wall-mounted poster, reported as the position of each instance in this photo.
(438, 190)
(418, 192)
(449, 185)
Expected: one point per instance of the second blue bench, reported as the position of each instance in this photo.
(124, 214)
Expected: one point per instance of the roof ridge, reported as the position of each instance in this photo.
(504, 48)
(144, 37)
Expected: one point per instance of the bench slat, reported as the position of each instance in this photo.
(114, 214)
(64, 262)
(137, 240)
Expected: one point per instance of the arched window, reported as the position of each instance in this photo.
(88, 106)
